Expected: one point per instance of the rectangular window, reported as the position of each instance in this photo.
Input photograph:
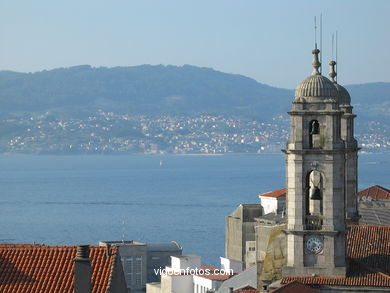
(138, 270)
(128, 268)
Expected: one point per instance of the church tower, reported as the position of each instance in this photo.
(321, 163)
(351, 154)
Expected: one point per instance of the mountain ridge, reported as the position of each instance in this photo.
(162, 89)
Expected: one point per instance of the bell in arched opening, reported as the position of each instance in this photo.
(316, 195)
(314, 135)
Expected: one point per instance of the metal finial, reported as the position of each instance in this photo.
(336, 51)
(316, 62)
(315, 32)
(333, 46)
(321, 41)
(123, 229)
(332, 72)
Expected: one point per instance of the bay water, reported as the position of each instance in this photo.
(70, 200)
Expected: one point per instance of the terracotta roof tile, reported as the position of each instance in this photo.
(294, 287)
(368, 249)
(26, 268)
(247, 289)
(375, 192)
(275, 193)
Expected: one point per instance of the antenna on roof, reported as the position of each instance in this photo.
(321, 42)
(315, 32)
(336, 55)
(123, 228)
(332, 45)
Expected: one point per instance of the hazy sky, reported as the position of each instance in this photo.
(270, 41)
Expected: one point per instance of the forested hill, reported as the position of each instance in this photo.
(160, 90)
(142, 89)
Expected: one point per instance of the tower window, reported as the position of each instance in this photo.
(314, 200)
(314, 127)
(314, 134)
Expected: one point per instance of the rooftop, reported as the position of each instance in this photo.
(275, 193)
(369, 261)
(186, 256)
(163, 246)
(26, 268)
(375, 192)
(247, 289)
(373, 214)
(121, 243)
(294, 287)
(272, 219)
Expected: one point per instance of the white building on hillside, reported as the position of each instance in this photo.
(274, 201)
(187, 275)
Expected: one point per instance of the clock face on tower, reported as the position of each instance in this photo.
(314, 244)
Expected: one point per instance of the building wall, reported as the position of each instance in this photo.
(166, 284)
(156, 260)
(153, 288)
(201, 285)
(182, 284)
(139, 260)
(233, 242)
(185, 261)
(134, 258)
(250, 254)
(271, 243)
(230, 264)
(118, 282)
(240, 229)
(272, 204)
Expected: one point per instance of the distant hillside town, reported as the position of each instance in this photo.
(112, 133)
(156, 109)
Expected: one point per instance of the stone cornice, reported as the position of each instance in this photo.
(315, 112)
(317, 151)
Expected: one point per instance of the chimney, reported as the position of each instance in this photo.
(108, 247)
(230, 290)
(82, 270)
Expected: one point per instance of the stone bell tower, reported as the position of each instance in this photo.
(317, 178)
(351, 146)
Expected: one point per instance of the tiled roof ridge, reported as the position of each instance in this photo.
(298, 278)
(285, 285)
(375, 192)
(31, 247)
(381, 187)
(294, 282)
(370, 226)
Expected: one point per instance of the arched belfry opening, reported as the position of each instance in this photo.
(314, 134)
(314, 200)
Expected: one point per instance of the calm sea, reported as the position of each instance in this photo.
(85, 199)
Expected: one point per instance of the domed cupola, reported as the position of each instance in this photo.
(344, 97)
(316, 87)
